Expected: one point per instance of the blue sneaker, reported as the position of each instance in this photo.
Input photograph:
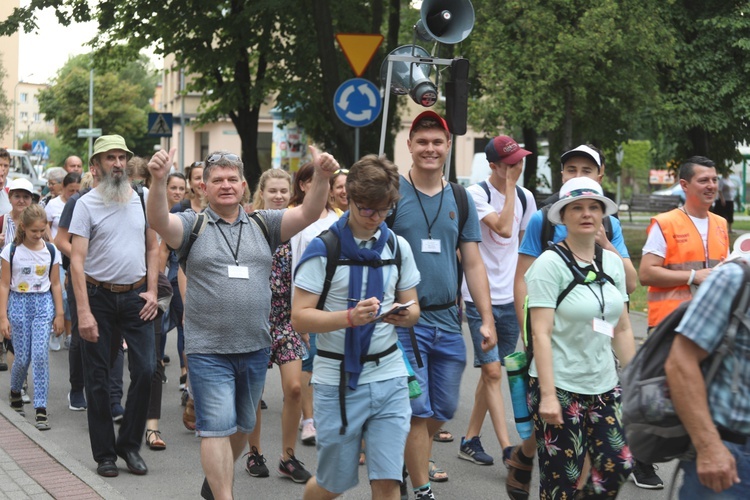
(76, 401)
(117, 412)
(472, 451)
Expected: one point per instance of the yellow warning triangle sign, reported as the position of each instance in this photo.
(359, 49)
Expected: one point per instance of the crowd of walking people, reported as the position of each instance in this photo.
(355, 283)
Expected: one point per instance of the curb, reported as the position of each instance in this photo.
(61, 456)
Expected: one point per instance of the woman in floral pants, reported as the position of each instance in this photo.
(574, 394)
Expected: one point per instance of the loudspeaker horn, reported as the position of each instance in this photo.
(411, 78)
(446, 21)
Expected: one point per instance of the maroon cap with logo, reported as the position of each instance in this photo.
(504, 149)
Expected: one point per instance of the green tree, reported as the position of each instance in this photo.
(6, 119)
(575, 70)
(121, 102)
(707, 102)
(240, 52)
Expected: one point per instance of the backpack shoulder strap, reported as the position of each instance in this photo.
(462, 203)
(548, 229)
(138, 188)
(396, 252)
(198, 226)
(607, 223)
(486, 188)
(10, 257)
(521, 196)
(333, 252)
(261, 222)
(52, 253)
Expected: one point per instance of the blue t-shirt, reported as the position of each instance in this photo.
(532, 244)
(439, 271)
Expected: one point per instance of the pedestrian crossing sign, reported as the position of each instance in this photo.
(160, 125)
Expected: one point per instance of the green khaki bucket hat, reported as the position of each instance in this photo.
(109, 142)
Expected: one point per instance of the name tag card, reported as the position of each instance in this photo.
(239, 272)
(604, 327)
(430, 246)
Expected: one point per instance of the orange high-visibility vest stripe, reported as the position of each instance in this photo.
(685, 251)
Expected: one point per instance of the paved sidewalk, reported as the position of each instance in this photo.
(34, 467)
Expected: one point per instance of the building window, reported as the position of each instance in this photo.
(23, 116)
(36, 100)
(24, 97)
(37, 117)
(203, 142)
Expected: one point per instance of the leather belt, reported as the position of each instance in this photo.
(114, 287)
(731, 436)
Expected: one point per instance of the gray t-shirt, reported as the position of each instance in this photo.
(117, 237)
(225, 315)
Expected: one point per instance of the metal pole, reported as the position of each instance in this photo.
(386, 101)
(91, 111)
(182, 121)
(356, 144)
(447, 166)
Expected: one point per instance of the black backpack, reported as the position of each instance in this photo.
(590, 275)
(653, 430)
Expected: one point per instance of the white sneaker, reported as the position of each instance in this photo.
(25, 397)
(308, 434)
(54, 342)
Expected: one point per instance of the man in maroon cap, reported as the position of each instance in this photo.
(504, 209)
(438, 218)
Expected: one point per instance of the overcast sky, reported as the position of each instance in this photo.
(41, 54)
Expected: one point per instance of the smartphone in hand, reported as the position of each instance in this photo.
(394, 310)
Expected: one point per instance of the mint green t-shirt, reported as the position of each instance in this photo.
(582, 359)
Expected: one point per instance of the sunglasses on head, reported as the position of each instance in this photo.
(219, 156)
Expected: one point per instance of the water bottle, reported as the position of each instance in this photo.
(305, 351)
(518, 380)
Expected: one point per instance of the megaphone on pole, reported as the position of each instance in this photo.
(411, 78)
(445, 21)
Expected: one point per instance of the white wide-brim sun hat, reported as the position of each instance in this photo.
(580, 188)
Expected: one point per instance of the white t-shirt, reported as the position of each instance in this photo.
(54, 209)
(299, 241)
(5, 205)
(31, 268)
(500, 255)
(657, 245)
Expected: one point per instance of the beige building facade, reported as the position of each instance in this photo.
(9, 57)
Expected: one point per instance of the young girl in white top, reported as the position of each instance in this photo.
(31, 299)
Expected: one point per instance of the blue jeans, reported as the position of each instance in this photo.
(692, 489)
(227, 390)
(506, 326)
(117, 312)
(444, 357)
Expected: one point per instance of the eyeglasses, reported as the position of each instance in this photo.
(344, 171)
(369, 212)
(218, 156)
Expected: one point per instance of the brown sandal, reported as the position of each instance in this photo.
(515, 488)
(188, 416)
(443, 436)
(157, 443)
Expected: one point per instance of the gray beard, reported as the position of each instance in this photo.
(114, 190)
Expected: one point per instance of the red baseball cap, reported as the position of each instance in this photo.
(504, 149)
(432, 115)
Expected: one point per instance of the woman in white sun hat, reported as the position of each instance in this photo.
(576, 299)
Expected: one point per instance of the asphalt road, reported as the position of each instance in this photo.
(176, 473)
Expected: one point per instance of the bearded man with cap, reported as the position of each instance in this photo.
(114, 262)
(428, 217)
(504, 208)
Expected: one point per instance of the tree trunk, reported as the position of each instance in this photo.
(530, 171)
(327, 50)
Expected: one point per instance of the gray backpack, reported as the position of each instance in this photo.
(653, 430)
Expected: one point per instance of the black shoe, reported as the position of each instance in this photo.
(644, 476)
(135, 463)
(107, 468)
(206, 490)
(263, 405)
(165, 360)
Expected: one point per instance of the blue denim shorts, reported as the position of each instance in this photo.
(373, 411)
(692, 489)
(444, 357)
(307, 364)
(227, 389)
(506, 326)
